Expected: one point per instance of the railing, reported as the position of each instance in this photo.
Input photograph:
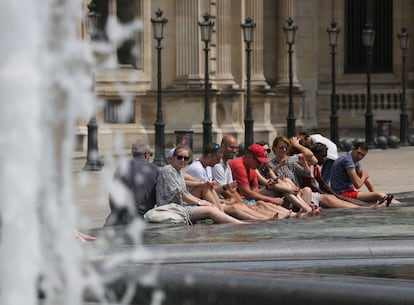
(380, 101)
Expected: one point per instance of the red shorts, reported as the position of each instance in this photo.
(350, 194)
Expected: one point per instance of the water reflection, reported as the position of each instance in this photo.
(380, 271)
(395, 222)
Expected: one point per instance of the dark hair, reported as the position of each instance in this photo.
(360, 144)
(211, 148)
(304, 135)
(320, 151)
(293, 150)
(262, 143)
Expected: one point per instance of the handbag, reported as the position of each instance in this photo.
(168, 213)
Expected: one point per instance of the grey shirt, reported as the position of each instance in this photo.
(170, 186)
(139, 177)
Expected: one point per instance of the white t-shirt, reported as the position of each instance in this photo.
(332, 149)
(222, 173)
(197, 170)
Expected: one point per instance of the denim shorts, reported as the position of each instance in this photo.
(190, 209)
(249, 201)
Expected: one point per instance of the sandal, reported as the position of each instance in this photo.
(389, 198)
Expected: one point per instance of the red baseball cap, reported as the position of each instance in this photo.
(259, 152)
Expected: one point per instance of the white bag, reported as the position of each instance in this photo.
(168, 213)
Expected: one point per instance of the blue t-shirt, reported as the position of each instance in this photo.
(340, 181)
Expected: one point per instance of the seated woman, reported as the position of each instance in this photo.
(171, 188)
(288, 168)
(278, 187)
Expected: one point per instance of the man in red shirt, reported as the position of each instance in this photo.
(244, 172)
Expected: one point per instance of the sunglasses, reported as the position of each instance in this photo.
(185, 158)
(150, 153)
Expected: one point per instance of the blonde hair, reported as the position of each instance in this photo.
(280, 139)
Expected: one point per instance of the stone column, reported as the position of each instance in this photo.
(254, 10)
(223, 76)
(188, 51)
(284, 11)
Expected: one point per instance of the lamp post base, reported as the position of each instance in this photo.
(159, 157)
(404, 129)
(93, 163)
(93, 166)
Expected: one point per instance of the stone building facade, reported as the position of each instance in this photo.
(133, 81)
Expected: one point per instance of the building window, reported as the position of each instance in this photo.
(119, 112)
(355, 20)
(126, 12)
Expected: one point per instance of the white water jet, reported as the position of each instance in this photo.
(46, 77)
(45, 81)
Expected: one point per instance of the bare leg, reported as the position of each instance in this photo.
(207, 194)
(244, 212)
(298, 202)
(214, 213)
(370, 196)
(283, 212)
(306, 194)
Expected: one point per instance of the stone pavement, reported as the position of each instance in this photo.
(392, 171)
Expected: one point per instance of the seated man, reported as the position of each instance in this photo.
(201, 184)
(244, 173)
(133, 191)
(347, 177)
(327, 197)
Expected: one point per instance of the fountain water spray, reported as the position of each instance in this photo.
(45, 81)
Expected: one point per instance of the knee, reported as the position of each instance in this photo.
(306, 190)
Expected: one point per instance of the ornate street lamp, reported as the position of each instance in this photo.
(206, 29)
(93, 162)
(290, 33)
(333, 33)
(248, 34)
(368, 35)
(404, 39)
(158, 24)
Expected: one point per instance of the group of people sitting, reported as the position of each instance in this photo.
(228, 188)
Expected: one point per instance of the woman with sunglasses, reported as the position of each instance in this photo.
(171, 188)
